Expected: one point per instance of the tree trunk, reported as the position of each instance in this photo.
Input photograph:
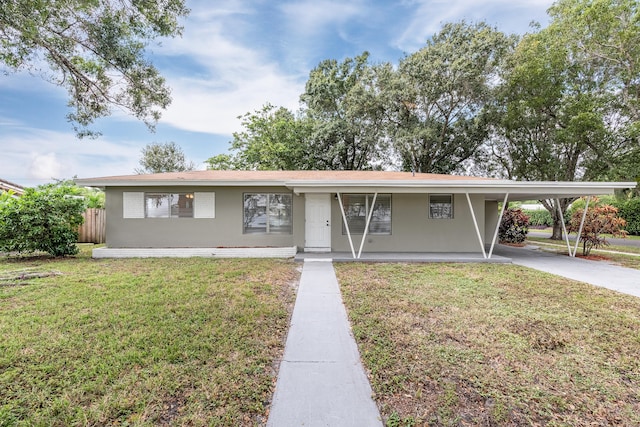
(557, 227)
(550, 205)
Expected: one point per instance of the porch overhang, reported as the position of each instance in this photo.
(491, 189)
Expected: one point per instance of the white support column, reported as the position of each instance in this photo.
(366, 227)
(564, 228)
(346, 225)
(495, 234)
(475, 223)
(584, 215)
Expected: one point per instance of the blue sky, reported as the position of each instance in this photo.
(234, 56)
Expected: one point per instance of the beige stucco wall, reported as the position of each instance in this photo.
(491, 220)
(223, 230)
(413, 231)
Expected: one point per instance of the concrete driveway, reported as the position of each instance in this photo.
(598, 273)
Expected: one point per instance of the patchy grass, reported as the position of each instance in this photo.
(493, 345)
(142, 341)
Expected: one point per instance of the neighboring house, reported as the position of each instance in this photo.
(18, 190)
(271, 213)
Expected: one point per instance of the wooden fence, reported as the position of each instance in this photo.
(93, 229)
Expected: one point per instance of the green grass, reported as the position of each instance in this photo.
(494, 345)
(141, 341)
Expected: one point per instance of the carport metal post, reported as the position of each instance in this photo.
(475, 223)
(495, 233)
(564, 228)
(346, 225)
(584, 215)
(366, 227)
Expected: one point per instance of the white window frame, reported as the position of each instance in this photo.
(451, 214)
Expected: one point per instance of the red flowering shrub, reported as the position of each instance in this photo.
(599, 220)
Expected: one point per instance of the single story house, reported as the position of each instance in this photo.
(278, 213)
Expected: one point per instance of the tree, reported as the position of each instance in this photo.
(438, 94)
(604, 35)
(95, 49)
(553, 116)
(343, 103)
(43, 219)
(598, 220)
(167, 157)
(272, 139)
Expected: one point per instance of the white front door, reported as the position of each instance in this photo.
(317, 230)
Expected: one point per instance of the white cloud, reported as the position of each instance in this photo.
(36, 156)
(232, 78)
(45, 166)
(508, 15)
(314, 17)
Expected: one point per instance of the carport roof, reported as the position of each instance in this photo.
(363, 181)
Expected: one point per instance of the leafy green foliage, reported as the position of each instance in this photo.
(539, 217)
(272, 139)
(598, 220)
(514, 226)
(630, 211)
(438, 97)
(167, 157)
(45, 219)
(95, 49)
(348, 118)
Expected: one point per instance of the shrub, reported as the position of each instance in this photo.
(630, 211)
(44, 219)
(599, 219)
(514, 226)
(539, 218)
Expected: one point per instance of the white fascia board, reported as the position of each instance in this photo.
(546, 189)
(177, 183)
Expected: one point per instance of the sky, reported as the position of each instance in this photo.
(234, 57)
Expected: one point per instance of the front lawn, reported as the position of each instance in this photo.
(494, 345)
(141, 341)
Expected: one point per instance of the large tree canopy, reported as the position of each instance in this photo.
(439, 94)
(604, 36)
(273, 138)
(342, 101)
(167, 157)
(93, 48)
(554, 117)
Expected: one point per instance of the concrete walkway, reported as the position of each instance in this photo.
(321, 381)
(597, 273)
